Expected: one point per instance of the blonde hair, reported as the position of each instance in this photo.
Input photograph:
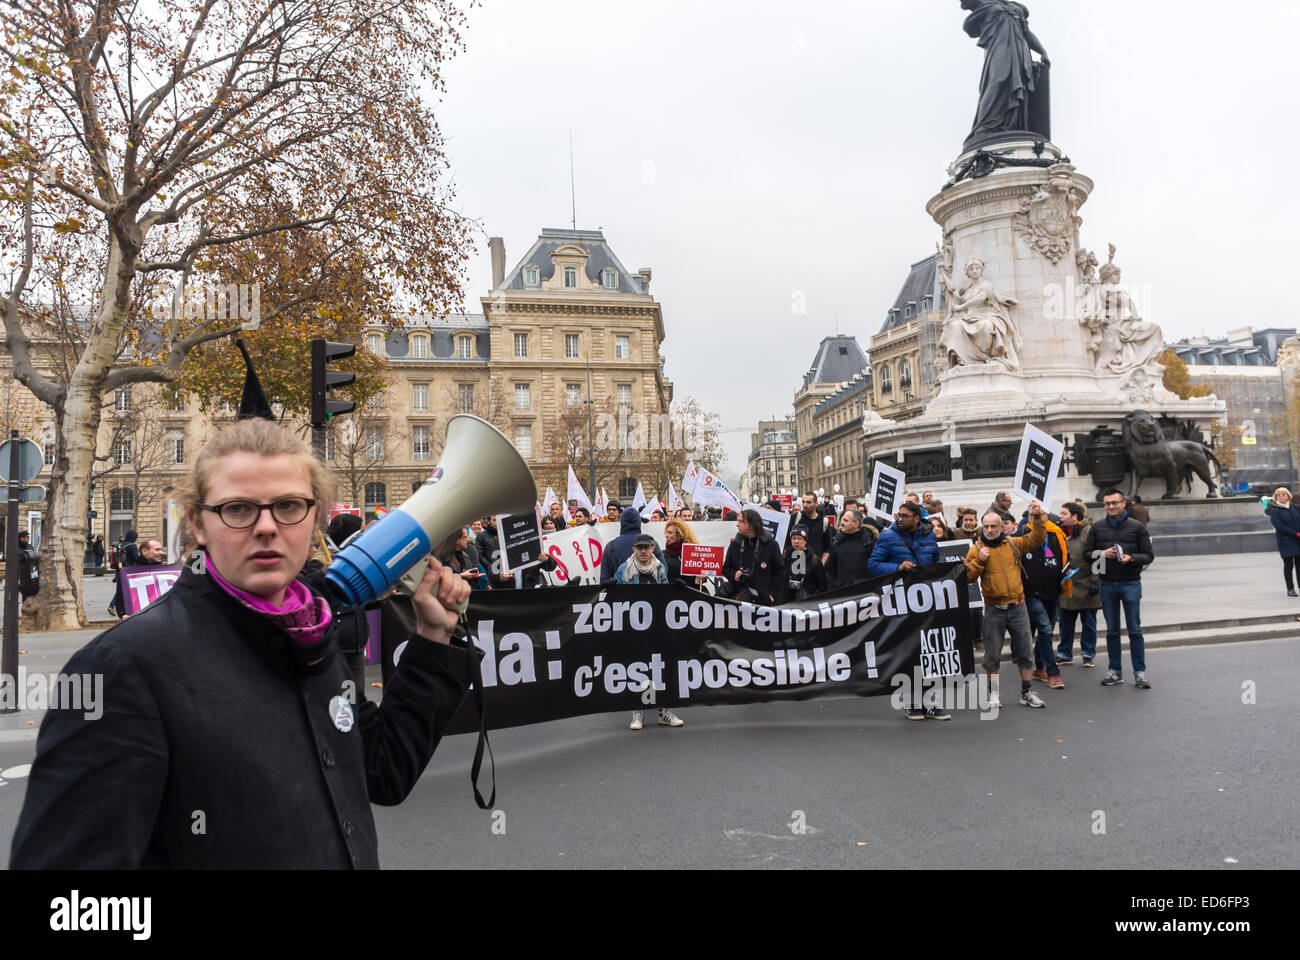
(260, 437)
(684, 532)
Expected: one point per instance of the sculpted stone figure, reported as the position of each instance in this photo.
(1136, 343)
(1151, 455)
(1008, 80)
(979, 327)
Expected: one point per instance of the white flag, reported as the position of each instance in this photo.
(674, 501)
(710, 490)
(576, 493)
(550, 499)
(638, 499)
(688, 481)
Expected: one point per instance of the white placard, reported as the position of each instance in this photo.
(886, 491)
(1039, 463)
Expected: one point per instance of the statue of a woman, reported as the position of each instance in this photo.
(1137, 343)
(1007, 82)
(979, 327)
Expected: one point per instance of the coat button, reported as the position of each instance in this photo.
(347, 827)
(327, 758)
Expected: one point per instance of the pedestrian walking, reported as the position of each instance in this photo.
(1285, 517)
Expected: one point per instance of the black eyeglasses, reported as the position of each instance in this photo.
(242, 514)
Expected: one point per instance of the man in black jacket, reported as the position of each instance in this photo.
(815, 523)
(199, 683)
(1120, 547)
(850, 552)
(752, 569)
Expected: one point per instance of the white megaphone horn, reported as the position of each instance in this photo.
(480, 473)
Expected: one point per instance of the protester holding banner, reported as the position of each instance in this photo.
(677, 533)
(1085, 598)
(613, 512)
(849, 554)
(805, 575)
(148, 554)
(1043, 570)
(225, 704)
(908, 543)
(620, 548)
(752, 569)
(994, 560)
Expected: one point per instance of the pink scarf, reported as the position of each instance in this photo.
(304, 615)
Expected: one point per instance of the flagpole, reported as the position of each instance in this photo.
(591, 433)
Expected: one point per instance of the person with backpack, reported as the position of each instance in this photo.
(1042, 570)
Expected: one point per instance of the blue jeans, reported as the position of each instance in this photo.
(1042, 614)
(1088, 642)
(1126, 593)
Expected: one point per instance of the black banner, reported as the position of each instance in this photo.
(567, 651)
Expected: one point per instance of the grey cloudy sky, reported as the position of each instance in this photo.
(749, 151)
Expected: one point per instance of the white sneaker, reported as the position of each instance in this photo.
(669, 719)
(637, 717)
(995, 700)
(1031, 699)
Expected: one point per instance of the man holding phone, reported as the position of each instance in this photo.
(1119, 547)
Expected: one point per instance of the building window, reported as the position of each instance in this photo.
(524, 440)
(570, 276)
(627, 489)
(176, 445)
(176, 404)
(419, 396)
(521, 345)
(123, 452)
(573, 393)
(625, 394)
(465, 394)
(523, 396)
(330, 447)
(420, 347)
(47, 440)
(374, 403)
(905, 375)
(376, 496)
(121, 499)
(622, 348)
(375, 344)
(374, 444)
(531, 276)
(572, 346)
(122, 399)
(609, 278)
(420, 443)
(465, 347)
(886, 380)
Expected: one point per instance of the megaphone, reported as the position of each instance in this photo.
(480, 473)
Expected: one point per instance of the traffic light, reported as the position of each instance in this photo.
(323, 352)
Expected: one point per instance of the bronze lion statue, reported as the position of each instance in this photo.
(1151, 455)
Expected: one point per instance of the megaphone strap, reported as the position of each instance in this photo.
(474, 680)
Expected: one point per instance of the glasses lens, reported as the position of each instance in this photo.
(239, 513)
(290, 510)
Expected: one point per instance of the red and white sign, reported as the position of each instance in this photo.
(699, 560)
(141, 586)
(786, 500)
(336, 509)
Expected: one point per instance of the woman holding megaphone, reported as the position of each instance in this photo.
(229, 732)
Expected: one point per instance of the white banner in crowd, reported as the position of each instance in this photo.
(1040, 462)
(578, 550)
(710, 491)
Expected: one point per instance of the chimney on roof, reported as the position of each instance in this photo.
(497, 246)
(644, 274)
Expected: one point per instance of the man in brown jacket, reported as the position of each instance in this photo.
(994, 560)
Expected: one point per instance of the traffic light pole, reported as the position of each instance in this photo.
(322, 381)
(9, 653)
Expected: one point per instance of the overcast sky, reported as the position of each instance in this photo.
(748, 152)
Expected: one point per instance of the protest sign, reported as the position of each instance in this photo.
(787, 501)
(886, 491)
(956, 550)
(141, 586)
(550, 654)
(578, 550)
(520, 536)
(774, 522)
(1038, 466)
(700, 560)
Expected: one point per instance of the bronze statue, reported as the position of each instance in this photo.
(1150, 454)
(1013, 90)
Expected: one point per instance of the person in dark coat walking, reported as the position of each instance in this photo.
(752, 568)
(98, 549)
(850, 554)
(130, 550)
(620, 548)
(908, 543)
(1285, 518)
(236, 669)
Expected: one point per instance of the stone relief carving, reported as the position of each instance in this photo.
(1119, 340)
(1049, 218)
(978, 326)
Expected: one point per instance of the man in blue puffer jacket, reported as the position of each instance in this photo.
(619, 549)
(908, 543)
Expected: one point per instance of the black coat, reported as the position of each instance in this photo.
(208, 707)
(805, 575)
(1129, 534)
(760, 558)
(1286, 524)
(848, 558)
